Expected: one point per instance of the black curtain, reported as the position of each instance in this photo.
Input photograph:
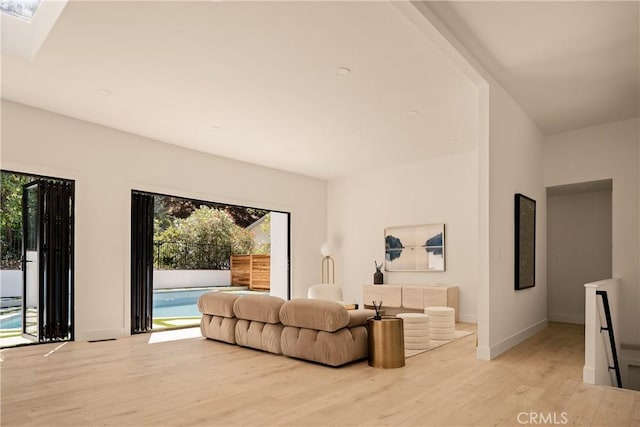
(56, 248)
(141, 262)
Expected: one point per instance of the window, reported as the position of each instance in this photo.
(23, 9)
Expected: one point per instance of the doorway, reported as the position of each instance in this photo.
(579, 245)
(37, 259)
(182, 248)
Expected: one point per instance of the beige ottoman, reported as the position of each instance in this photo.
(416, 331)
(442, 322)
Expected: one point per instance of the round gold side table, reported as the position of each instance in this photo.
(386, 342)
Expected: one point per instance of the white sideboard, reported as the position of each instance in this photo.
(401, 298)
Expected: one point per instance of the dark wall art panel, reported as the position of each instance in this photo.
(525, 242)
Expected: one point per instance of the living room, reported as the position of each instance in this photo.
(474, 146)
(457, 155)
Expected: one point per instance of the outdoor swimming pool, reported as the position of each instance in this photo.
(181, 302)
(177, 303)
(166, 304)
(11, 322)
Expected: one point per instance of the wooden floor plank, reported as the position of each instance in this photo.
(198, 382)
(635, 414)
(615, 408)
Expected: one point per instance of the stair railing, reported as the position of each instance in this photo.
(612, 354)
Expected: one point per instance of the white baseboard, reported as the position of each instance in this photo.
(483, 353)
(513, 340)
(577, 319)
(588, 375)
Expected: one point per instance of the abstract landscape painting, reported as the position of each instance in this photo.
(415, 248)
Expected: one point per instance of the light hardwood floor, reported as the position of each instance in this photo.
(129, 382)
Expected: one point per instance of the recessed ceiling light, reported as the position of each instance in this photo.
(343, 71)
(103, 92)
(413, 112)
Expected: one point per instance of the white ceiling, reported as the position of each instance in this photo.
(255, 81)
(22, 38)
(569, 64)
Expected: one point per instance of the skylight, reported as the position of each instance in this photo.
(23, 9)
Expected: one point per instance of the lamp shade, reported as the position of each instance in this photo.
(326, 249)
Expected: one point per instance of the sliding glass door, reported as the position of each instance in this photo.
(141, 262)
(47, 260)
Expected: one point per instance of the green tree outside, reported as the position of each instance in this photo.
(204, 240)
(11, 217)
(264, 248)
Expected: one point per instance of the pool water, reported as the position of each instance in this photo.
(11, 322)
(177, 303)
(180, 303)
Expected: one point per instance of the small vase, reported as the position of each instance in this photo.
(378, 278)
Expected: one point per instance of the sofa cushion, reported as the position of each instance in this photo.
(217, 303)
(333, 349)
(261, 308)
(259, 335)
(218, 328)
(321, 315)
(359, 317)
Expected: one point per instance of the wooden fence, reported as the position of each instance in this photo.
(251, 270)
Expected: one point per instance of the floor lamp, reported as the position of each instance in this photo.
(328, 266)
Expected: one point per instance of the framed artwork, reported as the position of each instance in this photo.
(525, 242)
(415, 248)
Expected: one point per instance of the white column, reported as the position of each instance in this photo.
(279, 254)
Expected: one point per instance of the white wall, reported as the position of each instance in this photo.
(166, 279)
(279, 261)
(608, 151)
(10, 283)
(515, 159)
(441, 190)
(578, 250)
(106, 164)
(510, 161)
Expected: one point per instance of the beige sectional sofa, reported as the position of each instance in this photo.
(324, 331)
(310, 329)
